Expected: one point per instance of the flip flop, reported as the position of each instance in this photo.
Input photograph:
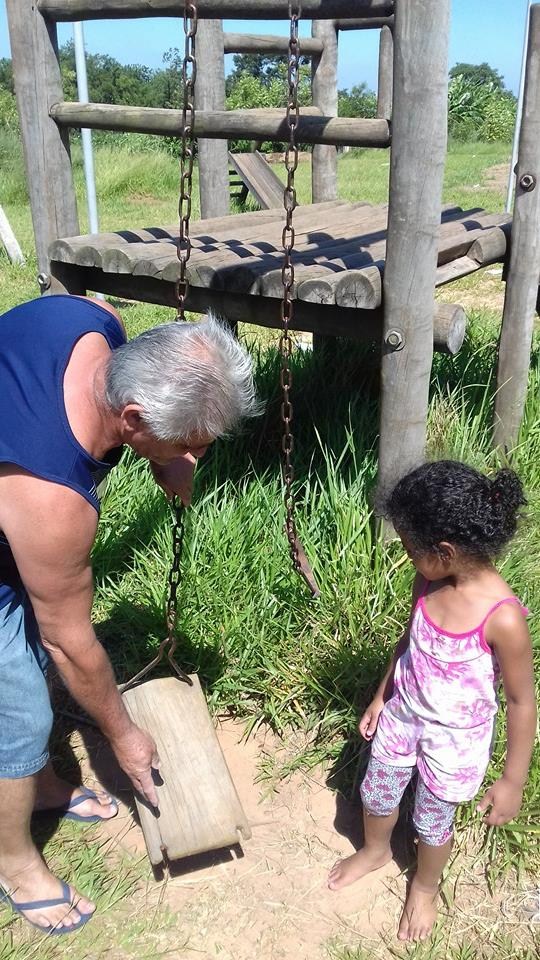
(68, 812)
(43, 905)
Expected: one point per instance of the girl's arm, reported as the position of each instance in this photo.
(368, 721)
(509, 636)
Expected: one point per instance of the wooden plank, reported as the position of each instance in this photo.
(259, 178)
(71, 10)
(324, 89)
(210, 95)
(386, 74)
(38, 85)
(365, 23)
(419, 133)
(9, 240)
(223, 124)
(199, 808)
(265, 44)
(523, 274)
(364, 325)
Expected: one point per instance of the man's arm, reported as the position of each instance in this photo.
(51, 530)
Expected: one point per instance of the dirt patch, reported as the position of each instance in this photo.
(270, 899)
(496, 176)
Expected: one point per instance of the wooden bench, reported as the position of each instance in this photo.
(235, 266)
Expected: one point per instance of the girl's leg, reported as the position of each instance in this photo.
(433, 818)
(381, 791)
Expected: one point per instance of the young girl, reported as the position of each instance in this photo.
(434, 711)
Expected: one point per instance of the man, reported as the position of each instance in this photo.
(72, 393)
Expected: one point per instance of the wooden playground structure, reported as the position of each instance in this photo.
(361, 271)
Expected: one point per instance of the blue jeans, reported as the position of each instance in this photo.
(25, 708)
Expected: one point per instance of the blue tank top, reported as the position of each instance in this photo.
(36, 342)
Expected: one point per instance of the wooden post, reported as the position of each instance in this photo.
(386, 70)
(418, 155)
(324, 94)
(210, 95)
(9, 241)
(38, 85)
(523, 274)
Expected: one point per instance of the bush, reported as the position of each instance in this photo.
(499, 119)
(479, 111)
(9, 117)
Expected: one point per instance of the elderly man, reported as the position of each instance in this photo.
(73, 392)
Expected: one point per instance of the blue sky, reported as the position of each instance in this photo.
(490, 30)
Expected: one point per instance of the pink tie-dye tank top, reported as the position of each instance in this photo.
(441, 714)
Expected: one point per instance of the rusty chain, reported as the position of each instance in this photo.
(187, 152)
(298, 556)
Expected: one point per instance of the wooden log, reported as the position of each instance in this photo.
(523, 274)
(223, 124)
(364, 325)
(38, 84)
(71, 10)
(210, 95)
(386, 73)
(325, 96)
(418, 156)
(9, 240)
(365, 23)
(267, 44)
(449, 326)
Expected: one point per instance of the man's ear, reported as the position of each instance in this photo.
(131, 417)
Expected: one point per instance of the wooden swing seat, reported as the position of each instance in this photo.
(199, 809)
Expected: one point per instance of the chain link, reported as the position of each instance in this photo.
(298, 557)
(187, 152)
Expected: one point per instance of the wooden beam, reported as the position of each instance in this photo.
(365, 23)
(386, 74)
(210, 95)
(325, 96)
(523, 274)
(267, 44)
(38, 84)
(365, 325)
(421, 33)
(71, 10)
(224, 124)
(9, 240)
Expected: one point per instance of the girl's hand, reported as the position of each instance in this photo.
(504, 798)
(369, 720)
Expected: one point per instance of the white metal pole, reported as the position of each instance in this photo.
(519, 112)
(86, 135)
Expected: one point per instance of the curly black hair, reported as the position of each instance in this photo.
(450, 501)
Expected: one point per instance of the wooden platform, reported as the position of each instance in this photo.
(235, 265)
(258, 178)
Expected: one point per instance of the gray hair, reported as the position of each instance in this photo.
(191, 379)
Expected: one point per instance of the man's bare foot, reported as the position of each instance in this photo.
(54, 793)
(358, 865)
(419, 913)
(31, 881)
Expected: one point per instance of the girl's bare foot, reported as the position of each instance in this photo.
(419, 913)
(358, 865)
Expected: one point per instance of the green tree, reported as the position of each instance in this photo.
(6, 75)
(478, 73)
(359, 101)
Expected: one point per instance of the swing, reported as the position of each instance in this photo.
(199, 809)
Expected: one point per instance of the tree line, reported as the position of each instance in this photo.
(479, 105)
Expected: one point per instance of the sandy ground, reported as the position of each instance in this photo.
(269, 898)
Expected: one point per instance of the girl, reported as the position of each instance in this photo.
(434, 711)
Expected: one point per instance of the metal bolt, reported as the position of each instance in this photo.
(44, 281)
(527, 182)
(394, 339)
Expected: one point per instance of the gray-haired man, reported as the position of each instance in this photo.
(72, 393)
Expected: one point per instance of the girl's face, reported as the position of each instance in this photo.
(431, 566)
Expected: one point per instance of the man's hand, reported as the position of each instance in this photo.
(504, 798)
(176, 478)
(136, 753)
(369, 720)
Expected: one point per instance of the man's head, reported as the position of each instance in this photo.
(178, 386)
